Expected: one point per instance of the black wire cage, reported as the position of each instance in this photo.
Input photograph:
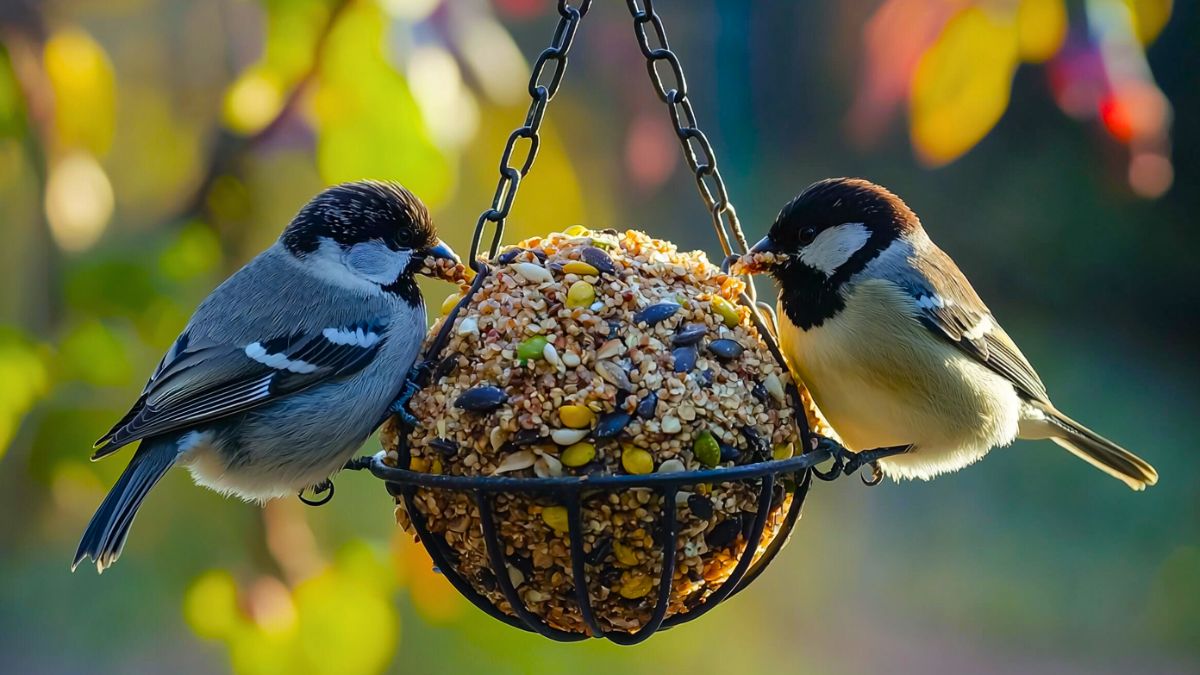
(774, 483)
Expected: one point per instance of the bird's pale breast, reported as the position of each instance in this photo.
(882, 380)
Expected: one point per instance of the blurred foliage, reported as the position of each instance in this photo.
(149, 147)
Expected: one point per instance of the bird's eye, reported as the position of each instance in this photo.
(404, 237)
(807, 235)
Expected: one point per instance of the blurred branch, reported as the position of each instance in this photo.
(22, 29)
(230, 149)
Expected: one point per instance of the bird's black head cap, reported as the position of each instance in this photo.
(362, 211)
(860, 220)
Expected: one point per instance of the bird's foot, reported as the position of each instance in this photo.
(836, 452)
(847, 462)
(400, 405)
(870, 459)
(323, 492)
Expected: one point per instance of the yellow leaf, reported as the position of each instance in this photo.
(1041, 28)
(368, 124)
(1149, 17)
(961, 85)
(84, 90)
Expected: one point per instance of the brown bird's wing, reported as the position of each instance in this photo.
(955, 312)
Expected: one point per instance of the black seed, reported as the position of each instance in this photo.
(509, 255)
(609, 231)
(724, 534)
(648, 406)
(701, 506)
(609, 576)
(694, 575)
(445, 367)
(599, 551)
(537, 253)
(445, 446)
(758, 444)
(599, 259)
(685, 358)
(611, 424)
(526, 437)
(614, 329)
(726, 349)
(595, 468)
(481, 399)
(525, 565)
(729, 453)
(486, 579)
(689, 334)
(706, 377)
(760, 392)
(656, 313)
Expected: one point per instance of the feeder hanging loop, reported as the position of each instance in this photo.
(542, 89)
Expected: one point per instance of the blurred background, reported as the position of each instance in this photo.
(150, 147)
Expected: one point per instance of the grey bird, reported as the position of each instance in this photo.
(902, 357)
(288, 366)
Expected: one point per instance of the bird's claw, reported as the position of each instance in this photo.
(323, 492)
(846, 462)
(836, 452)
(399, 407)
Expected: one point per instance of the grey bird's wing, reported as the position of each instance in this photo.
(955, 312)
(228, 360)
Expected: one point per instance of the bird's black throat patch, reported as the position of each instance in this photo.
(806, 295)
(809, 297)
(405, 286)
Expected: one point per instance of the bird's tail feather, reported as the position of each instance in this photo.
(1098, 451)
(106, 533)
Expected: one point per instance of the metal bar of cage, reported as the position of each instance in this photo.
(569, 489)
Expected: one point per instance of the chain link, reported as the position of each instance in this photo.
(697, 150)
(544, 82)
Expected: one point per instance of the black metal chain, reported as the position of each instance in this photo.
(697, 149)
(542, 92)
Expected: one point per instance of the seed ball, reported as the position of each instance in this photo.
(597, 353)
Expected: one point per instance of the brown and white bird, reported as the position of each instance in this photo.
(897, 349)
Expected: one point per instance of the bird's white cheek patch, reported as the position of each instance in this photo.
(375, 262)
(834, 246)
(257, 352)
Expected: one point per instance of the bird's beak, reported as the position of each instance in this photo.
(442, 252)
(759, 259)
(441, 262)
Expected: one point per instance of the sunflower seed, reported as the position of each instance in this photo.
(656, 313)
(647, 407)
(689, 334)
(685, 358)
(726, 349)
(522, 459)
(614, 374)
(481, 399)
(599, 259)
(611, 424)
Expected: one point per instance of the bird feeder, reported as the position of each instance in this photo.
(608, 442)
